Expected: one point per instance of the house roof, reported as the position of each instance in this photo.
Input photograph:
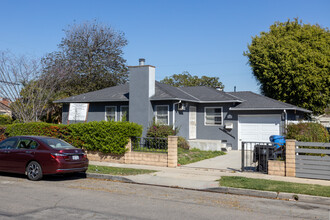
(110, 94)
(198, 94)
(253, 101)
(4, 107)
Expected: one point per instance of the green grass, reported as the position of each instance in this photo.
(276, 186)
(194, 155)
(117, 170)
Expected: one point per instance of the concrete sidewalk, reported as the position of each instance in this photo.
(196, 178)
(230, 161)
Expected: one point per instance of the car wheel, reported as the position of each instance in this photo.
(34, 171)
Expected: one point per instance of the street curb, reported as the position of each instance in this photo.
(229, 190)
(273, 195)
(245, 192)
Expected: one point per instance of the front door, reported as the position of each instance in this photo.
(192, 122)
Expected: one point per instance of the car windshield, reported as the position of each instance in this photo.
(57, 143)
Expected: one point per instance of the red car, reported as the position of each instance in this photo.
(36, 156)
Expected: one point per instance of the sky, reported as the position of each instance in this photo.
(203, 37)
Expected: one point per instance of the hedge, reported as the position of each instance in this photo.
(5, 119)
(106, 137)
(307, 132)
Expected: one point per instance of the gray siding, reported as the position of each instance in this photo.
(217, 132)
(182, 121)
(96, 111)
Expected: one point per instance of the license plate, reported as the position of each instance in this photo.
(75, 157)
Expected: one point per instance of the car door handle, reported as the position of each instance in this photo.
(28, 152)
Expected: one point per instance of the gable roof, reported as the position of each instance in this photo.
(253, 101)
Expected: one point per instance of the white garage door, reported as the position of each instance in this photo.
(257, 128)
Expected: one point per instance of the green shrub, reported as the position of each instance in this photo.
(183, 143)
(106, 137)
(307, 132)
(161, 131)
(5, 120)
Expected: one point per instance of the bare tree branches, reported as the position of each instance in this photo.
(24, 84)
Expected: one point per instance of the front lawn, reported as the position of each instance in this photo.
(275, 186)
(195, 155)
(117, 170)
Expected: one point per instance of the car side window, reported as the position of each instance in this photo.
(27, 144)
(8, 144)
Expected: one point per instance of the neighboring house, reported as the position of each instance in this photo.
(205, 116)
(324, 120)
(4, 109)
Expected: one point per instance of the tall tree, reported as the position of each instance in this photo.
(185, 79)
(26, 86)
(93, 53)
(292, 63)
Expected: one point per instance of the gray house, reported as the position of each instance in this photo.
(203, 114)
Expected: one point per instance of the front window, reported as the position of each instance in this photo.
(110, 113)
(213, 116)
(124, 113)
(162, 114)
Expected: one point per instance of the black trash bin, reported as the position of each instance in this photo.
(261, 155)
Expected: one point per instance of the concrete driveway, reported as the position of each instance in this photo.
(230, 161)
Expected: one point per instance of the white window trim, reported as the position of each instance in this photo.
(105, 111)
(168, 113)
(205, 116)
(121, 111)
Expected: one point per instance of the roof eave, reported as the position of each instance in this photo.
(196, 101)
(244, 109)
(86, 101)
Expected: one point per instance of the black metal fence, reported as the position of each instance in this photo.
(255, 156)
(149, 144)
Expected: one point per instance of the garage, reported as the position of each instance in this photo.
(257, 128)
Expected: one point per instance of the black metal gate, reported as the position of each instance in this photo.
(255, 156)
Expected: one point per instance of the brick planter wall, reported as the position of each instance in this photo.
(97, 156)
(169, 159)
(276, 167)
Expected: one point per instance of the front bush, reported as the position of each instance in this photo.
(160, 131)
(106, 137)
(307, 132)
(163, 131)
(5, 120)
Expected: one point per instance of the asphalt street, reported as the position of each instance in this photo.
(58, 197)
